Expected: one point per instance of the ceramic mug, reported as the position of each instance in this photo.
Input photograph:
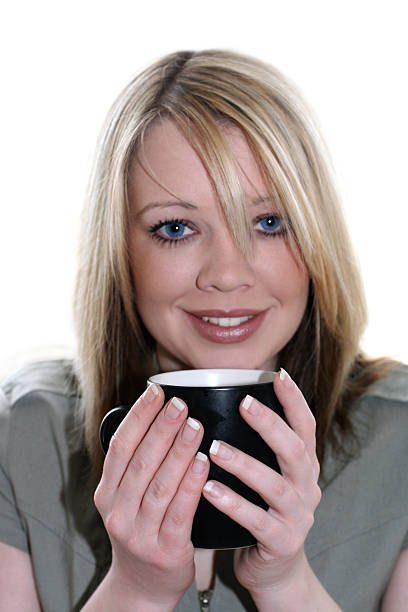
(213, 398)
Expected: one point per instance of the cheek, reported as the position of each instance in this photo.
(158, 277)
(285, 275)
(295, 282)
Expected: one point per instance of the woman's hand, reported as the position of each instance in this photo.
(277, 562)
(149, 491)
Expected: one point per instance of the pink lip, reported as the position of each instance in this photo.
(216, 312)
(226, 335)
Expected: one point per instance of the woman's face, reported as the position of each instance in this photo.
(203, 303)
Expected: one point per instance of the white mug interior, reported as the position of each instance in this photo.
(213, 378)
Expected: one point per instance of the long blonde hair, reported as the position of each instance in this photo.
(202, 92)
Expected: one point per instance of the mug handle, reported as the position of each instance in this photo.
(109, 425)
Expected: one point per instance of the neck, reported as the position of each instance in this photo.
(205, 562)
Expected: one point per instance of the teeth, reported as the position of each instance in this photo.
(226, 321)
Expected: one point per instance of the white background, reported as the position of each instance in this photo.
(62, 64)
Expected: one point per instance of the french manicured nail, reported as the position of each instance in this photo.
(213, 489)
(190, 430)
(221, 450)
(175, 407)
(285, 378)
(151, 392)
(252, 406)
(200, 463)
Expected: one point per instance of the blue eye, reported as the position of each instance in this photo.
(175, 230)
(271, 224)
(171, 231)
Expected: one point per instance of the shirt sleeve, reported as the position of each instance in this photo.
(12, 530)
(405, 543)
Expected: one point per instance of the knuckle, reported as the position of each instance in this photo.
(165, 431)
(298, 449)
(312, 424)
(178, 518)
(117, 447)
(135, 413)
(243, 461)
(164, 561)
(264, 525)
(236, 504)
(99, 498)
(133, 546)
(280, 487)
(290, 496)
(268, 530)
(190, 487)
(317, 495)
(138, 464)
(160, 563)
(113, 526)
(309, 521)
(158, 490)
(178, 453)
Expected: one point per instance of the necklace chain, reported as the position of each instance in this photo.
(204, 598)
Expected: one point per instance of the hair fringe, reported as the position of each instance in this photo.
(205, 93)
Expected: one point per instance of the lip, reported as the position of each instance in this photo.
(226, 335)
(216, 312)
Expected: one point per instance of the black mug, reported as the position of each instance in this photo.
(213, 398)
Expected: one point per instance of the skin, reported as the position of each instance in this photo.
(207, 270)
(152, 479)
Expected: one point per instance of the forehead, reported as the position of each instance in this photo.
(167, 162)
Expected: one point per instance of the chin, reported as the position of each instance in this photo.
(232, 362)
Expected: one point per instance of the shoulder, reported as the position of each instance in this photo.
(380, 420)
(55, 377)
(45, 472)
(391, 388)
(41, 402)
(384, 406)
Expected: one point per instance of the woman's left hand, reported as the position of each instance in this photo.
(278, 560)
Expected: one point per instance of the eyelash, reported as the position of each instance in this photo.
(170, 242)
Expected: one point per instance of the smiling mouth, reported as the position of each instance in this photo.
(226, 321)
(226, 327)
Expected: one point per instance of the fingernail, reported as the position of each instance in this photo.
(213, 489)
(190, 430)
(285, 378)
(221, 450)
(151, 392)
(199, 464)
(252, 406)
(174, 409)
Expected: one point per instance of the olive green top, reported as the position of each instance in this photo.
(46, 500)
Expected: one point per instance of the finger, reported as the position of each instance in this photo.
(148, 456)
(166, 480)
(128, 436)
(275, 535)
(253, 518)
(298, 413)
(275, 490)
(177, 524)
(290, 450)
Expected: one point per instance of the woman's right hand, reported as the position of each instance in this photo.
(147, 496)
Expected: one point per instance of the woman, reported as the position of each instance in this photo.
(212, 237)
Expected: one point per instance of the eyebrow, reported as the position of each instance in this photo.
(262, 200)
(189, 206)
(151, 205)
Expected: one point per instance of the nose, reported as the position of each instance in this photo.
(224, 267)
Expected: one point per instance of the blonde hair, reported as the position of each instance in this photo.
(202, 92)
